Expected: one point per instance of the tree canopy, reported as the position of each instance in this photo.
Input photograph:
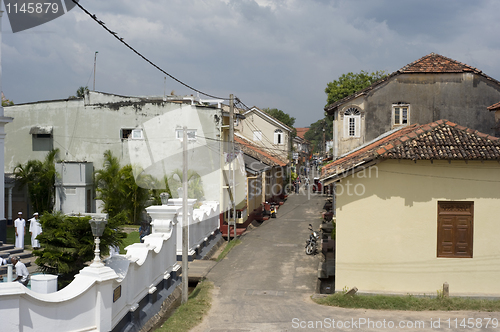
(349, 83)
(120, 191)
(315, 134)
(282, 117)
(67, 244)
(80, 92)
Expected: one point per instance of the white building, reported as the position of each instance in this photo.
(145, 132)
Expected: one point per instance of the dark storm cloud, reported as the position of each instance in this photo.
(269, 53)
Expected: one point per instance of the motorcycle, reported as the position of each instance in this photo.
(273, 210)
(312, 242)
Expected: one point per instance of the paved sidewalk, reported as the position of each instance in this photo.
(265, 284)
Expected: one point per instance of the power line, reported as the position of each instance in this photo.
(114, 34)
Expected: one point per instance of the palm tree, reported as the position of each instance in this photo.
(120, 191)
(80, 93)
(39, 177)
(195, 186)
(107, 181)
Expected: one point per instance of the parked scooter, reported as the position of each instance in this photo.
(273, 210)
(312, 242)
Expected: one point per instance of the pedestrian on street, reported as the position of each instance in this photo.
(35, 230)
(23, 276)
(19, 225)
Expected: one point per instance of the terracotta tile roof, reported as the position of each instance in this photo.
(440, 140)
(301, 132)
(431, 63)
(256, 152)
(435, 63)
(494, 107)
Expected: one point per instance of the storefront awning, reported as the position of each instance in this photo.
(253, 165)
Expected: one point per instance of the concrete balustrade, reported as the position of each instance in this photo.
(202, 223)
(122, 295)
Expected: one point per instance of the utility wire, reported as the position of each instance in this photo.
(101, 23)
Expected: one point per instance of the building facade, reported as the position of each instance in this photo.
(431, 88)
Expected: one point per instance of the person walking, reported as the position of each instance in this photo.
(19, 225)
(23, 276)
(35, 230)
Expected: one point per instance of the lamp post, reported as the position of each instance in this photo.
(164, 198)
(97, 226)
(95, 58)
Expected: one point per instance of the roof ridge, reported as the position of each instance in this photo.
(405, 70)
(421, 130)
(438, 56)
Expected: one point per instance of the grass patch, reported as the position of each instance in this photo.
(191, 313)
(228, 248)
(409, 302)
(132, 237)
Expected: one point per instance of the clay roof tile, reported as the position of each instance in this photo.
(443, 140)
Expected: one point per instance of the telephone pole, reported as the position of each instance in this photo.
(185, 219)
(231, 139)
(95, 58)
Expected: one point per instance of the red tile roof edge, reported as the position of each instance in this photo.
(494, 107)
(246, 143)
(381, 148)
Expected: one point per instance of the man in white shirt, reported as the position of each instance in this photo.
(23, 276)
(19, 225)
(35, 230)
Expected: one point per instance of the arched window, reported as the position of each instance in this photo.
(352, 122)
(278, 136)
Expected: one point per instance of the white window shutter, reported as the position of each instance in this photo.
(357, 126)
(346, 126)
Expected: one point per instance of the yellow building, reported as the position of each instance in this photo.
(417, 208)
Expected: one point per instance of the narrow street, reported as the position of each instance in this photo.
(265, 284)
(268, 279)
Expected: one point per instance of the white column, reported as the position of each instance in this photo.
(3, 122)
(9, 207)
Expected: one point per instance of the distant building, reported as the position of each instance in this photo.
(431, 88)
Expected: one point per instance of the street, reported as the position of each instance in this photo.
(265, 284)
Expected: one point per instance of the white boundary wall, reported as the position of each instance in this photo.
(100, 297)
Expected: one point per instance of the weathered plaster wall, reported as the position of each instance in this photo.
(387, 228)
(82, 133)
(461, 98)
(255, 122)
(84, 129)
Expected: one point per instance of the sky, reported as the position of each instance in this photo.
(268, 53)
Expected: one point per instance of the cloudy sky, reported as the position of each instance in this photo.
(269, 53)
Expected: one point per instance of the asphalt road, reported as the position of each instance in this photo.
(265, 284)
